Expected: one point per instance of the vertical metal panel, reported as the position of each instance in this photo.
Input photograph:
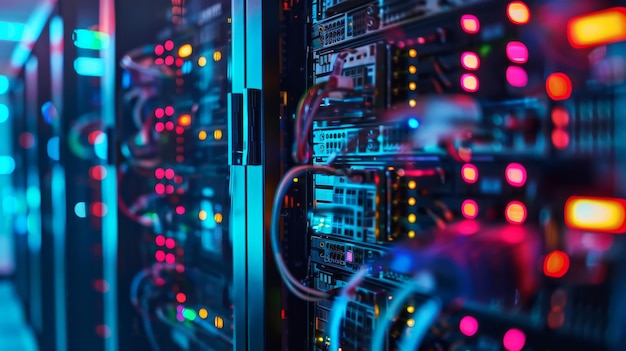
(238, 190)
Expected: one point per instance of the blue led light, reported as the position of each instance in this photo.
(4, 113)
(89, 66)
(413, 123)
(53, 148)
(7, 164)
(12, 31)
(4, 84)
(80, 209)
(100, 146)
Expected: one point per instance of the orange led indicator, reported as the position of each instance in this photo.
(518, 12)
(469, 83)
(469, 209)
(596, 214)
(515, 174)
(469, 173)
(184, 120)
(558, 86)
(515, 212)
(556, 264)
(470, 24)
(597, 28)
(470, 61)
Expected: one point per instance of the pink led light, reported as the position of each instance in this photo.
(159, 127)
(181, 297)
(160, 240)
(169, 125)
(159, 255)
(180, 130)
(169, 45)
(169, 60)
(170, 243)
(516, 76)
(349, 256)
(470, 24)
(180, 268)
(180, 210)
(159, 61)
(470, 60)
(159, 113)
(515, 174)
(469, 173)
(179, 62)
(469, 83)
(169, 173)
(159, 49)
(178, 179)
(169, 189)
(159, 189)
(180, 158)
(169, 110)
(468, 325)
(469, 209)
(159, 173)
(514, 340)
(170, 258)
(517, 52)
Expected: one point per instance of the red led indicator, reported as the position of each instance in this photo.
(181, 297)
(169, 173)
(103, 331)
(169, 60)
(470, 60)
(180, 130)
(556, 264)
(180, 210)
(27, 140)
(560, 139)
(469, 83)
(469, 208)
(169, 125)
(98, 172)
(558, 86)
(159, 61)
(516, 76)
(515, 212)
(515, 174)
(169, 189)
(470, 24)
(468, 326)
(99, 209)
(179, 62)
(560, 116)
(101, 286)
(93, 136)
(517, 52)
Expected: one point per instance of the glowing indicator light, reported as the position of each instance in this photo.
(4, 84)
(169, 189)
(518, 12)
(218, 134)
(159, 173)
(181, 297)
(412, 103)
(89, 39)
(169, 110)
(410, 309)
(169, 125)
(98, 172)
(413, 123)
(170, 243)
(159, 240)
(556, 264)
(412, 86)
(560, 116)
(596, 214)
(103, 331)
(468, 326)
(170, 258)
(169, 173)
(412, 53)
(412, 184)
(189, 314)
(169, 60)
(184, 120)
(203, 313)
(159, 49)
(159, 112)
(202, 215)
(202, 135)
(515, 174)
(217, 56)
(560, 139)
(349, 256)
(469, 83)
(597, 28)
(469, 173)
(89, 66)
(412, 69)
(159, 127)
(411, 234)
(516, 76)
(412, 201)
(517, 52)
(218, 218)
(470, 24)
(558, 86)
(101, 286)
(515, 212)
(410, 322)
(4, 113)
(159, 256)
(80, 210)
(469, 209)
(180, 210)
(412, 218)
(514, 340)
(7, 164)
(218, 322)
(202, 61)
(159, 61)
(169, 45)
(99, 209)
(159, 189)
(185, 50)
(470, 60)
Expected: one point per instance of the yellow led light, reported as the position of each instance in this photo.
(202, 135)
(413, 53)
(410, 309)
(412, 201)
(412, 218)
(217, 134)
(217, 56)
(412, 69)
(412, 86)
(412, 184)
(218, 322)
(597, 28)
(295, 180)
(218, 217)
(412, 102)
(185, 50)
(202, 61)
(203, 313)
(596, 214)
(202, 215)
(410, 322)
(411, 234)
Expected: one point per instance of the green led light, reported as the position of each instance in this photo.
(189, 314)
(90, 39)
(485, 50)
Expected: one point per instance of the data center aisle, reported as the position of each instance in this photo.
(15, 334)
